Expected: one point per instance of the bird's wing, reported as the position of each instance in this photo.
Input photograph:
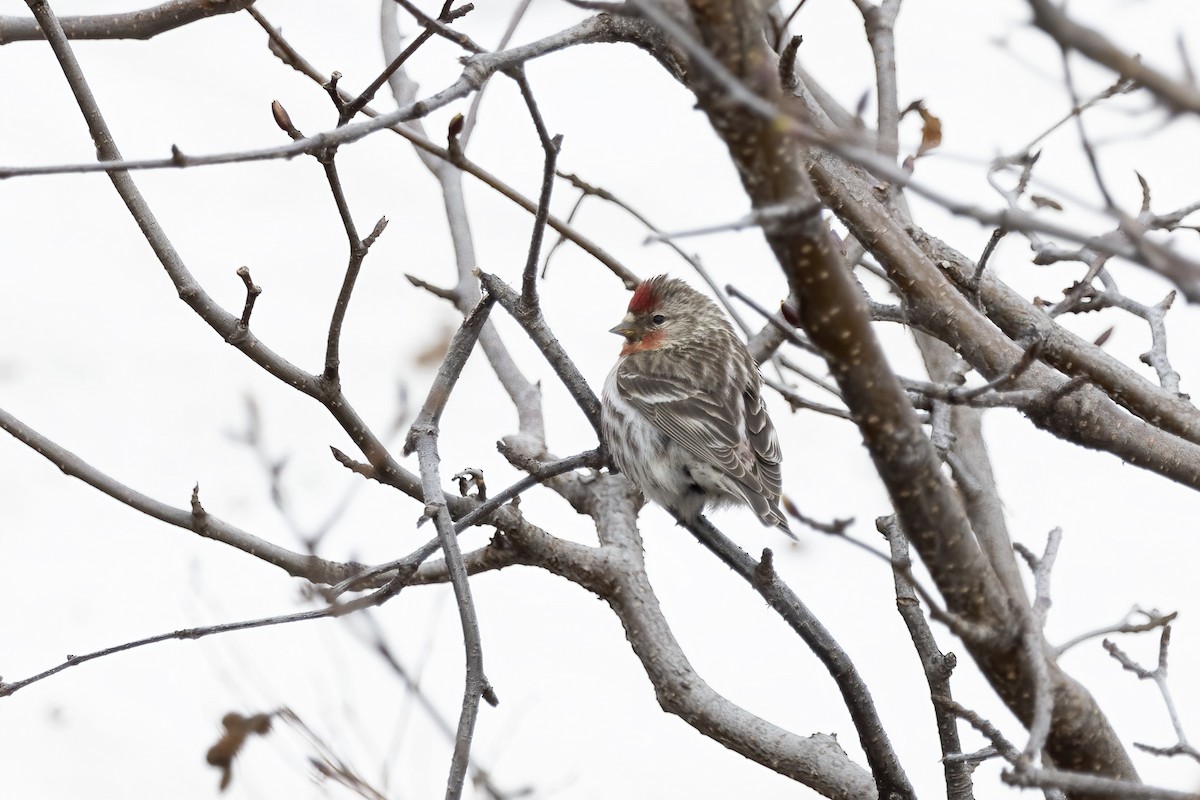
(718, 418)
(763, 440)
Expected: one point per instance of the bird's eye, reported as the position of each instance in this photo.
(658, 319)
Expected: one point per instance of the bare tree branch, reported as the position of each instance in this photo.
(937, 665)
(358, 253)
(797, 153)
(834, 315)
(1159, 676)
(1070, 35)
(317, 570)
(761, 575)
(551, 147)
(144, 24)
(616, 572)
(423, 439)
(1154, 621)
(884, 763)
(350, 607)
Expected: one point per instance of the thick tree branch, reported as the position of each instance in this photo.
(616, 572)
(1083, 415)
(834, 315)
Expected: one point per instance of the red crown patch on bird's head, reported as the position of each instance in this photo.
(644, 298)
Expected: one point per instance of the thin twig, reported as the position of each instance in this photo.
(534, 323)
(288, 54)
(1085, 784)
(440, 28)
(993, 734)
(328, 763)
(475, 73)
(366, 577)
(472, 115)
(1033, 644)
(1085, 141)
(358, 253)
(551, 147)
(592, 190)
(480, 776)
(936, 665)
(797, 400)
(253, 290)
(1159, 676)
(423, 439)
(1154, 621)
(1177, 95)
(821, 383)
(351, 109)
(792, 333)
(770, 219)
(144, 23)
(338, 610)
(317, 570)
(1182, 271)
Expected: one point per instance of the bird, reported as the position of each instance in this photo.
(682, 413)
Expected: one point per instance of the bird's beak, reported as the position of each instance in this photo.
(625, 327)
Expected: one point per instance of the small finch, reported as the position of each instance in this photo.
(683, 415)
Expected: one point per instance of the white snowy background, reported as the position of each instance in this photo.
(98, 353)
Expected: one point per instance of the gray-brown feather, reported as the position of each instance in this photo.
(707, 405)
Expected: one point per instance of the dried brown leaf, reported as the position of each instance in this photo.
(1042, 201)
(931, 130)
(432, 354)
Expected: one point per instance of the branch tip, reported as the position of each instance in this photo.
(198, 512)
(253, 290)
(376, 232)
(284, 121)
